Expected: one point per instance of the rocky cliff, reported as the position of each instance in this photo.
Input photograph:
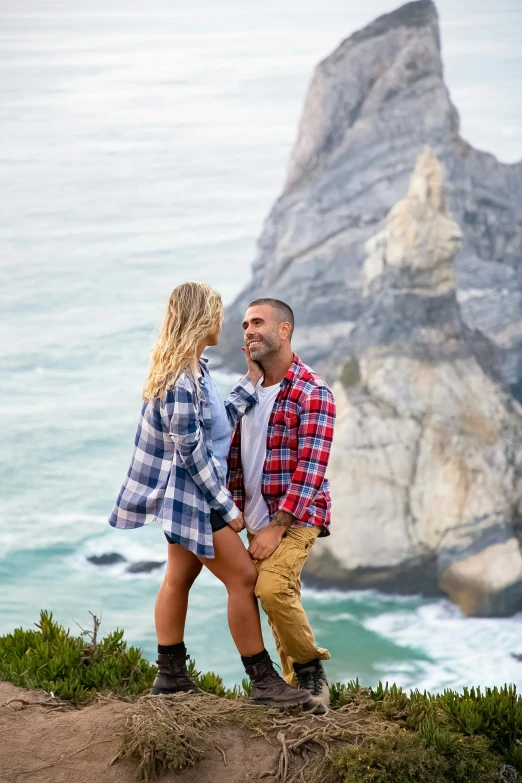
(426, 465)
(413, 315)
(371, 107)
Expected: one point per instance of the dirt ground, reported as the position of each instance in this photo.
(39, 744)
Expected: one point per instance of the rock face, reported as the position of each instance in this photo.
(426, 466)
(371, 108)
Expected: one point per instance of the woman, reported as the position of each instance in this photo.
(178, 477)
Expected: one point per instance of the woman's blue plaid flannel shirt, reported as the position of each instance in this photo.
(173, 477)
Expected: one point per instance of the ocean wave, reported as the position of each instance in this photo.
(366, 597)
(461, 650)
(43, 531)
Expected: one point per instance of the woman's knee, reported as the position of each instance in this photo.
(180, 580)
(244, 581)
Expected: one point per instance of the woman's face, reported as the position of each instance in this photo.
(213, 337)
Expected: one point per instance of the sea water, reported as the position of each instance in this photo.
(140, 148)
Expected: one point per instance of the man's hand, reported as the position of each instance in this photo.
(238, 523)
(254, 370)
(267, 541)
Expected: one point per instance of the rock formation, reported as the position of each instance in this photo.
(426, 465)
(371, 108)
(422, 344)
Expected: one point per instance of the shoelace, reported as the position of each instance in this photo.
(273, 675)
(311, 680)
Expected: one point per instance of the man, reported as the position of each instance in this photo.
(276, 473)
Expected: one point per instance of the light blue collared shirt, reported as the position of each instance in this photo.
(220, 429)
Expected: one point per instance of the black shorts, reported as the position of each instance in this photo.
(216, 523)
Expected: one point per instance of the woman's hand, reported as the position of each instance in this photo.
(238, 523)
(254, 371)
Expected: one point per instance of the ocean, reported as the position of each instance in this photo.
(144, 147)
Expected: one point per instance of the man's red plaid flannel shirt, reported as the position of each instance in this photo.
(299, 437)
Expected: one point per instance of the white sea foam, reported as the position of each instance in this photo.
(463, 650)
(336, 618)
(366, 597)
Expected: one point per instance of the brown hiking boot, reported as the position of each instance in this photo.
(172, 676)
(270, 689)
(312, 677)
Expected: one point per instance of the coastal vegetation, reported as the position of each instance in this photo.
(371, 735)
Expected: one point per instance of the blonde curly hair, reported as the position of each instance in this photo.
(194, 311)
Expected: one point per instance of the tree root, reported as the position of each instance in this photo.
(308, 740)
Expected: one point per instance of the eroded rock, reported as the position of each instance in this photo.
(426, 466)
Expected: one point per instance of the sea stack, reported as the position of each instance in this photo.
(371, 108)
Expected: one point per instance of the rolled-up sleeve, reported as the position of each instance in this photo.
(187, 436)
(315, 435)
(242, 397)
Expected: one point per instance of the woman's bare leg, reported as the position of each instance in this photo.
(232, 566)
(170, 611)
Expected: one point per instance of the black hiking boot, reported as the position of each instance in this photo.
(172, 676)
(311, 676)
(270, 689)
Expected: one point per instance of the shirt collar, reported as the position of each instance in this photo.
(294, 369)
(203, 361)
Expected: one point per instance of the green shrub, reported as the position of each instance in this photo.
(73, 668)
(210, 682)
(450, 737)
(405, 757)
(52, 660)
(345, 693)
(495, 713)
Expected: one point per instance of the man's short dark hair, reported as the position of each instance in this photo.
(284, 311)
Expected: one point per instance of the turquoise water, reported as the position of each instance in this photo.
(139, 150)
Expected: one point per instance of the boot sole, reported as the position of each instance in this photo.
(317, 708)
(273, 703)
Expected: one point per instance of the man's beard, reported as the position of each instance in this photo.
(268, 347)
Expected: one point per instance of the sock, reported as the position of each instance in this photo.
(172, 649)
(313, 662)
(251, 660)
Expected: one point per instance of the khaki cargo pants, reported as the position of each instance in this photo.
(279, 590)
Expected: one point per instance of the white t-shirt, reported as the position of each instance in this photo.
(254, 426)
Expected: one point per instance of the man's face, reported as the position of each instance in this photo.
(263, 332)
